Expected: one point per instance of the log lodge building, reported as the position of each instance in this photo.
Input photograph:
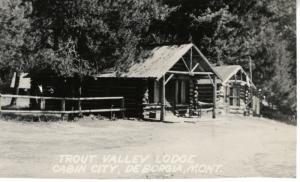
(175, 80)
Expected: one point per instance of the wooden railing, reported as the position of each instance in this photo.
(63, 105)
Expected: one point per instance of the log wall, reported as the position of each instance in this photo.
(133, 91)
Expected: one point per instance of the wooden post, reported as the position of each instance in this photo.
(238, 90)
(13, 101)
(162, 98)
(43, 104)
(63, 107)
(235, 78)
(79, 106)
(79, 96)
(176, 92)
(251, 92)
(250, 100)
(175, 95)
(191, 60)
(227, 98)
(241, 76)
(225, 93)
(214, 96)
(123, 107)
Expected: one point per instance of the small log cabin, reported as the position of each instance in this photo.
(236, 92)
(165, 82)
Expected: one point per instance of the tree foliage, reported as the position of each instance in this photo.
(233, 31)
(14, 25)
(103, 33)
(83, 37)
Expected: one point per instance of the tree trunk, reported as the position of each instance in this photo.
(13, 101)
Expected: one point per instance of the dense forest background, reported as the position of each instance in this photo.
(81, 37)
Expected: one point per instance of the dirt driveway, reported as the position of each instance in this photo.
(231, 146)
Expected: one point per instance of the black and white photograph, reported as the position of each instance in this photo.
(148, 89)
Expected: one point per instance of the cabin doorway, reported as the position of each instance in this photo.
(177, 93)
(234, 96)
(181, 92)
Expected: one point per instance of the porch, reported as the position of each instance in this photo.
(175, 96)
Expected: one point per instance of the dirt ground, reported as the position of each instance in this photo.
(231, 146)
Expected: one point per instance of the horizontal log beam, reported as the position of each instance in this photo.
(205, 110)
(59, 98)
(205, 103)
(63, 112)
(190, 73)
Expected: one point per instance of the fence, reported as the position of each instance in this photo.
(63, 100)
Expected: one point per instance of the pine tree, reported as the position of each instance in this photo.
(13, 34)
(104, 33)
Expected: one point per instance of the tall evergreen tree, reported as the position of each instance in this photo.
(14, 27)
(104, 33)
(235, 31)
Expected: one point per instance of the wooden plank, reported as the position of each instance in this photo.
(80, 94)
(205, 103)
(194, 68)
(183, 91)
(206, 109)
(190, 73)
(183, 60)
(205, 59)
(63, 112)
(60, 98)
(151, 104)
(225, 94)
(214, 96)
(156, 91)
(95, 98)
(191, 59)
(162, 98)
(63, 108)
(176, 94)
(233, 97)
(123, 106)
(168, 79)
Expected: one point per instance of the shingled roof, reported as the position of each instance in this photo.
(160, 60)
(227, 71)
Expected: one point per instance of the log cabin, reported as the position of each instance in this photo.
(163, 83)
(236, 92)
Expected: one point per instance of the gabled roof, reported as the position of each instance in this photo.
(160, 60)
(227, 71)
